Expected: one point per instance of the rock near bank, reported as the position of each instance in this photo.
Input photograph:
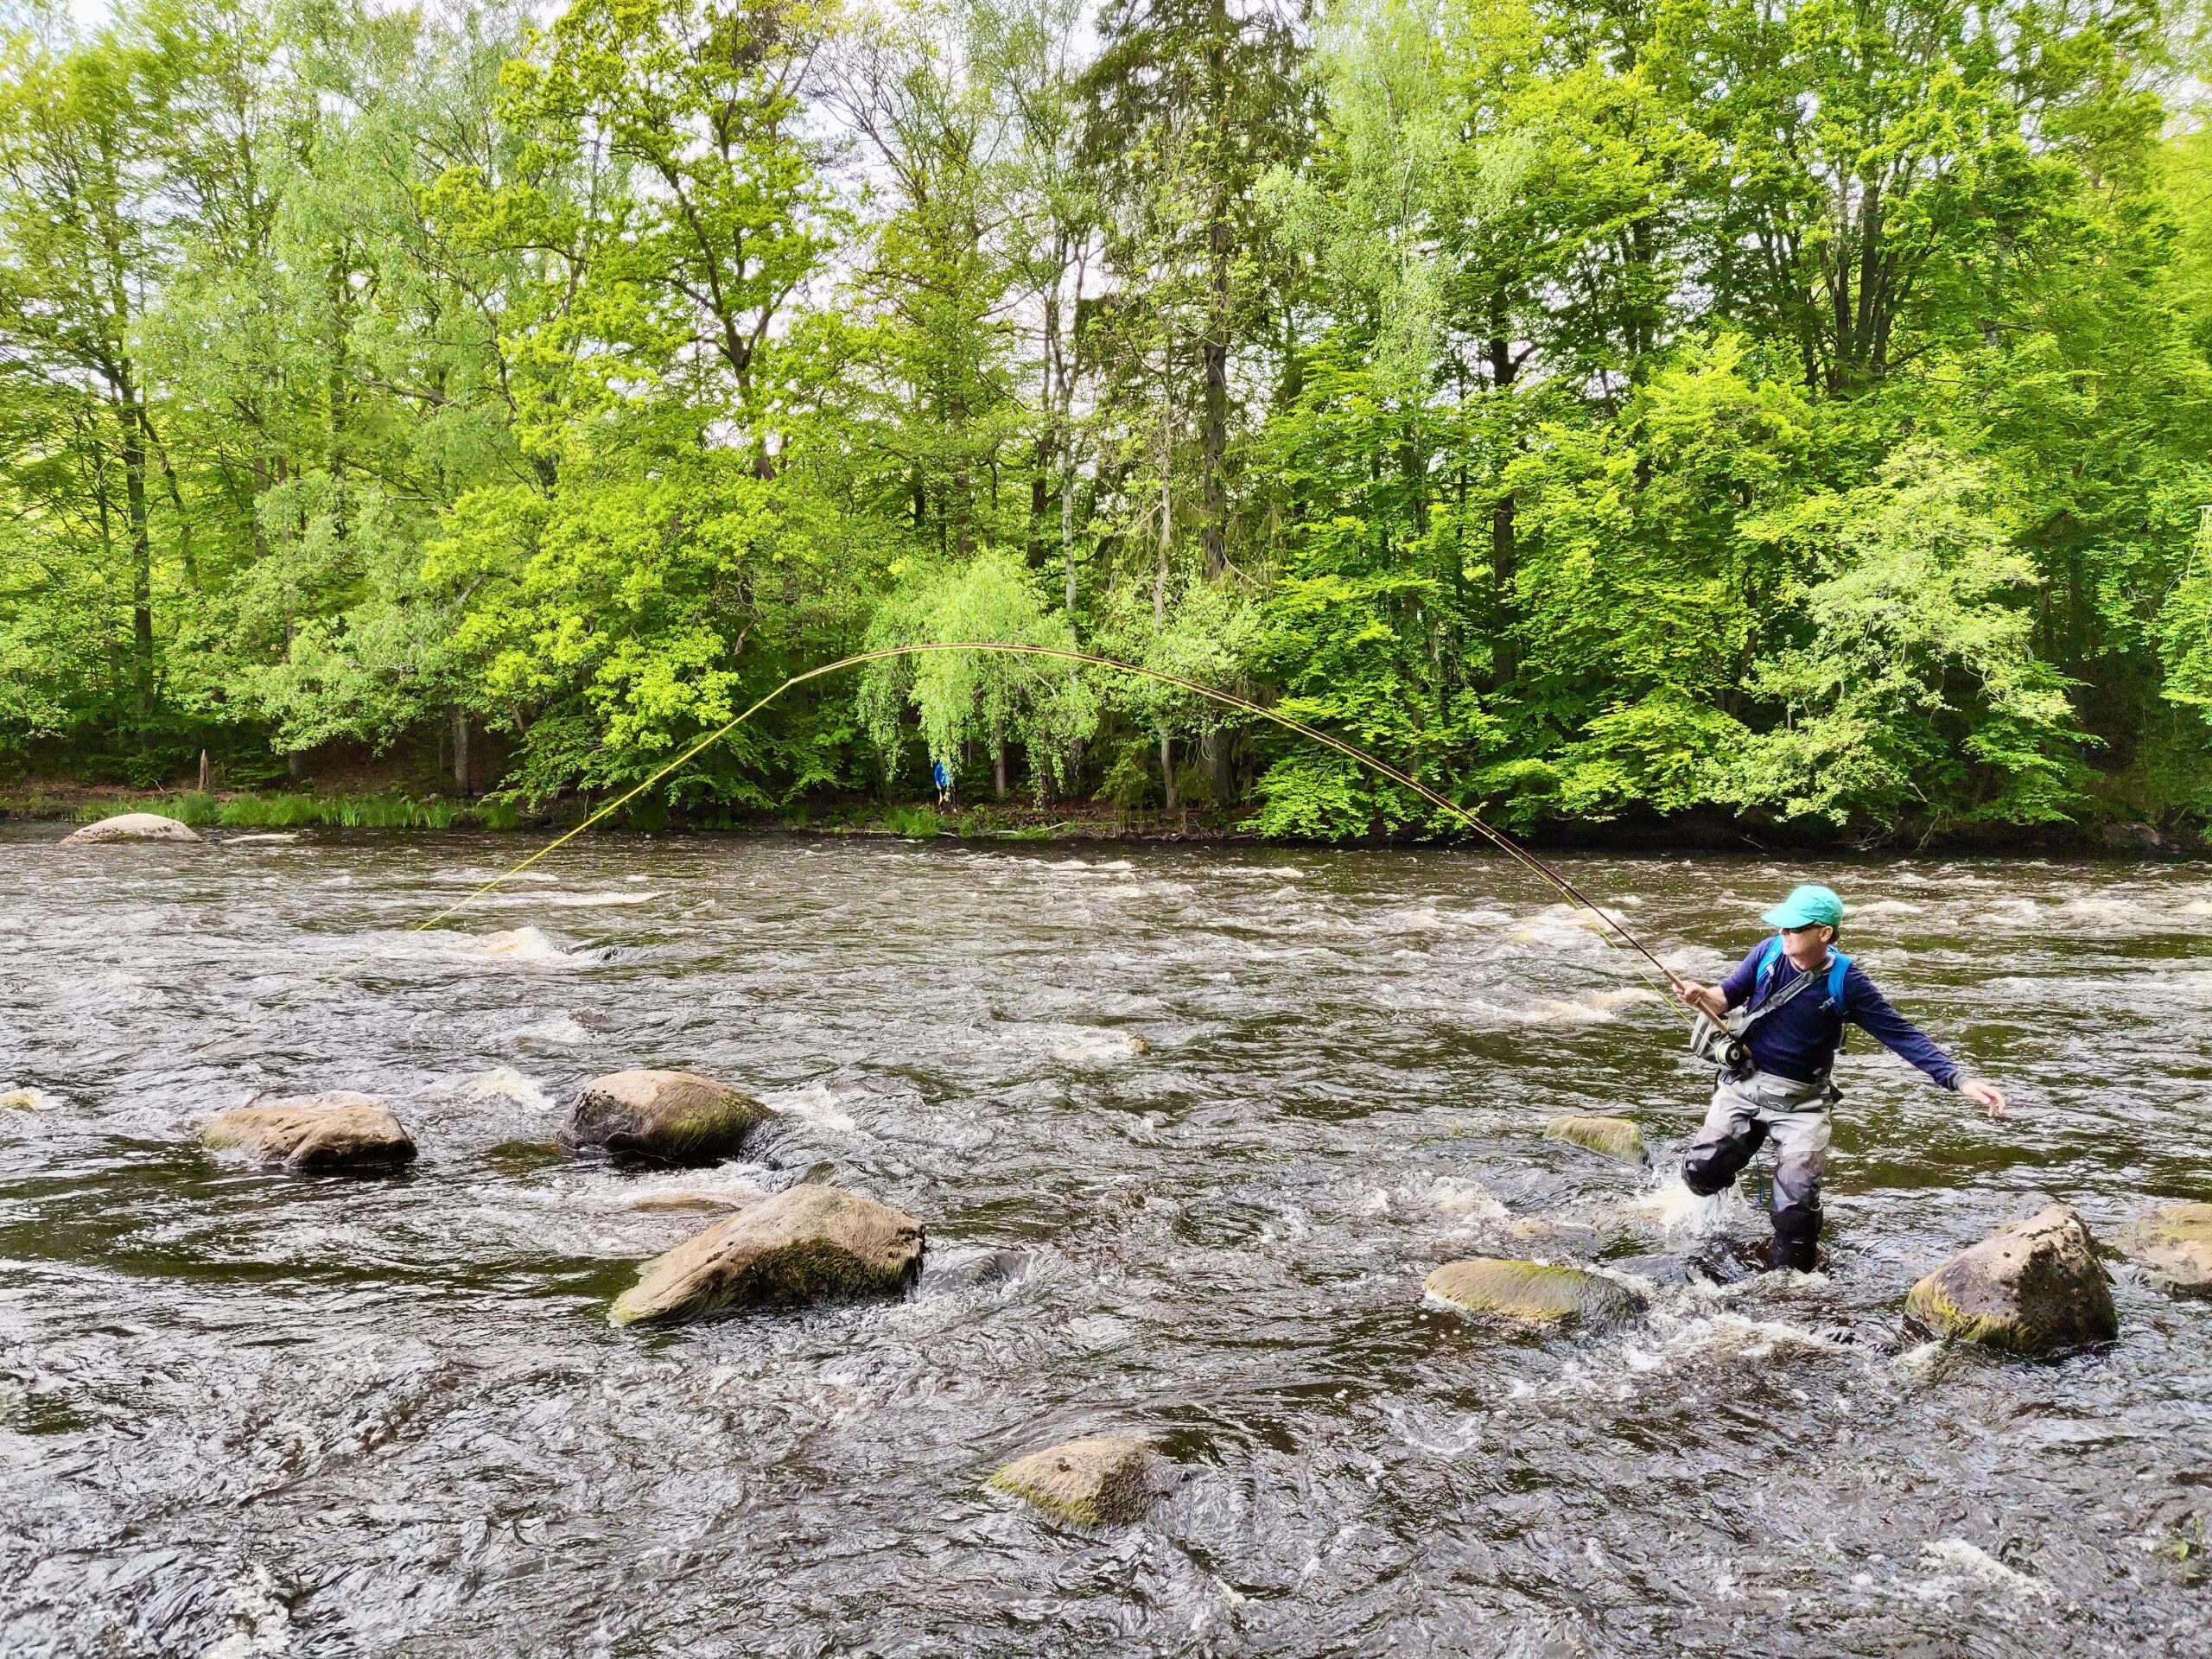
(2032, 1287)
(667, 1117)
(1103, 1481)
(805, 1244)
(131, 826)
(1529, 1292)
(321, 1132)
(2175, 1246)
(1616, 1137)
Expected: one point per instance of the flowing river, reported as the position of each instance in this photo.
(1186, 1129)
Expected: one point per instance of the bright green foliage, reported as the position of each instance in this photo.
(999, 699)
(1797, 413)
(1917, 689)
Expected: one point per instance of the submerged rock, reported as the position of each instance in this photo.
(335, 1131)
(1100, 1482)
(132, 826)
(1617, 1137)
(805, 1245)
(2027, 1288)
(1531, 1294)
(669, 1117)
(2174, 1245)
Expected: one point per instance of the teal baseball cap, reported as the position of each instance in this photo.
(1810, 905)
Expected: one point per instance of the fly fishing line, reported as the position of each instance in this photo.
(1615, 933)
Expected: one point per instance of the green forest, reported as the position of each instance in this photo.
(1795, 413)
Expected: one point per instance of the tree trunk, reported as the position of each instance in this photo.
(1214, 444)
(1505, 552)
(1167, 768)
(998, 769)
(1067, 534)
(460, 752)
(1214, 754)
(207, 775)
(142, 563)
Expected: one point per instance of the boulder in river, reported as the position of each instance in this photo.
(132, 826)
(328, 1132)
(1616, 1137)
(1529, 1292)
(2027, 1288)
(2174, 1245)
(669, 1117)
(805, 1245)
(1100, 1482)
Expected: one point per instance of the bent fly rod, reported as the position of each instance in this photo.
(1617, 934)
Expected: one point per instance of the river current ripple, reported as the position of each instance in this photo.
(1186, 1129)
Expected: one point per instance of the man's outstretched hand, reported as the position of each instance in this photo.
(1706, 999)
(1988, 1094)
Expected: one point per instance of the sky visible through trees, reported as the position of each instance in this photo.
(1798, 410)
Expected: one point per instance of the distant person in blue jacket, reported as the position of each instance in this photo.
(1797, 990)
(944, 783)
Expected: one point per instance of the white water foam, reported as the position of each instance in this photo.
(813, 1104)
(261, 1625)
(1887, 907)
(513, 947)
(28, 1100)
(561, 1031)
(575, 900)
(1680, 1212)
(721, 1188)
(1456, 1195)
(1957, 1559)
(503, 1082)
(1089, 1047)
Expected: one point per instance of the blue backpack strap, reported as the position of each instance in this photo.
(1839, 965)
(1766, 965)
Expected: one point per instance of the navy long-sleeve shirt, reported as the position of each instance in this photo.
(1799, 1040)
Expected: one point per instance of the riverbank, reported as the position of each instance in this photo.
(1023, 820)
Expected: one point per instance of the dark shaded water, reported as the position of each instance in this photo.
(246, 1413)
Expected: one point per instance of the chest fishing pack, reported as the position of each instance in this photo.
(1719, 1044)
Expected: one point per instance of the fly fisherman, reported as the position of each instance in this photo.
(1774, 1082)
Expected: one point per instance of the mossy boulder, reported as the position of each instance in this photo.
(321, 1132)
(1529, 1292)
(2028, 1288)
(131, 826)
(1100, 1482)
(1616, 1137)
(2174, 1245)
(805, 1244)
(667, 1117)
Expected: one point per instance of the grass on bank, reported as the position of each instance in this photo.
(292, 812)
(398, 811)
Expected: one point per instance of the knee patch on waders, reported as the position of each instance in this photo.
(1710, 1165)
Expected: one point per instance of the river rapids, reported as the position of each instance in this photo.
(1186, 1129)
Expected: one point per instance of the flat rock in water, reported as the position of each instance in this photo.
(336, 1131)
(1531, 1294)
(132, 826)
(1102, 1482)
(805, 1245)
(669, 1117)
(2174, 1245)
(2027, 1288)
(1617, 1137)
